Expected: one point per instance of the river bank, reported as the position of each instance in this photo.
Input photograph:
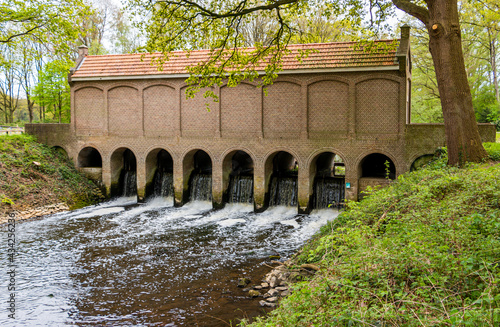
(421, 252)
(36, 180)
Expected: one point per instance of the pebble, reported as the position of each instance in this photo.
(267, 304)
(281, 288)
(253, 293)
(272, 299)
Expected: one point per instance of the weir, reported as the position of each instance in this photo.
(128, 175)
(163, 180)
(340, 100)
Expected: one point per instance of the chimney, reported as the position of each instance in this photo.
(83, 51)
(405, 31)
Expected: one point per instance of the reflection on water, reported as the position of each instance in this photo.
(122, 263)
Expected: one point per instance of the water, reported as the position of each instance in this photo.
(163, 184)
(122, 263)
(328, 191)
(200, 187)
(283, 191)
(128, 183)
(241, 189)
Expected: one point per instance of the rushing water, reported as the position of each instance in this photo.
(200, 187)
(328, 191)
(241, 189)
(283, 191)
(122, 263)
(163, 184)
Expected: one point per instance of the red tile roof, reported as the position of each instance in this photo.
(324, 56)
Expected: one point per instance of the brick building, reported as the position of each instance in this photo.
(340, 100)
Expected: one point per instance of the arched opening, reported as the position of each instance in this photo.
(281, 177)
(61, 151)
(375, 169)
(90, 164)
(421, 161)
(89, 157)
(198, 172)
(159, 174)
(123, 173)
(377, 165)
(238, 177)
(328, 176)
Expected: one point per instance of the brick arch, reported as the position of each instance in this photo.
(188, 168)
(151, 165)
(227, 169)
(317, 152)
(378, 105)
(78, 163)
(396, 79)
(393, 158)
(237, 148)
(328, 107)
(80, 87)
(117, 165)
(416, 156)
(160, 104)
(240, 110)
(317, 79)
(157, 83)
(89, 110)
(283, 114)
(288, 79)
(122, 84)
(195, 120)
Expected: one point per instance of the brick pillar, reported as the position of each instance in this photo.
(303, 182)
(351, 178)
(178, 183)
(141, 178)
(106, 175)
(259, 186)
(217, 187)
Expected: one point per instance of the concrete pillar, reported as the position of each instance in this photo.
(217, 185)
(303, 182)
(259, 186)
(141, 178)
(178, 183)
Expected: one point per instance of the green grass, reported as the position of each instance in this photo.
(498, 137)
(424, 251)
(33, 174)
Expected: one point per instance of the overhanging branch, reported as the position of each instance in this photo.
(414, 10)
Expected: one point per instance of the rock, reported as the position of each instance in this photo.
(257, 287)
(272, 299)
(253, 293)
(281, 288)
(267, 304)
(242, 282)
(285, 293)
(264, 285)
(274, 282)
(309, 267)
(271, 292)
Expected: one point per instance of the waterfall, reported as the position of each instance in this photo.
(200, 187)
(163, 184)
(328, 190)
(241, 189)
(283, 191)
(129, 183)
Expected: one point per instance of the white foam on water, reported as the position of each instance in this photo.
(274, 215)
(230, 222)
(316, 220)
(159, 202)
(290, 222)
(100, 212)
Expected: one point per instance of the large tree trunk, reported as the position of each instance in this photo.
(445, 44)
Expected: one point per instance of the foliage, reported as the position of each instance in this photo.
(53, 91)
(51, 22)
(420, 252)
(32, 174)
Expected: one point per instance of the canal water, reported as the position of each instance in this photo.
(123, 263)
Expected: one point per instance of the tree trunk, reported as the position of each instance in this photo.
(445, 44)
(30, 107)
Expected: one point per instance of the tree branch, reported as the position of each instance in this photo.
(414, 10)
(233, 13)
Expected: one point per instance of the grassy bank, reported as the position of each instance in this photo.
(34, 175)
(424, 251)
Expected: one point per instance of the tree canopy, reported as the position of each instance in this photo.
(218, 25)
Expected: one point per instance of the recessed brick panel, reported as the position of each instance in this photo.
(377, 103)
(196, 120)
(124, 111)
(328, 107)
(241, 111)
(160, 117)
(89, 111)
(283, 110)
